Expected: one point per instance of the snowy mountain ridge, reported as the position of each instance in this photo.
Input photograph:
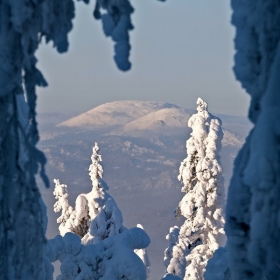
(115, 113)
(133, 118)
(163, 121)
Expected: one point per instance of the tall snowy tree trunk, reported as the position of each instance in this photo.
(22, 222)
(253, 205)
(202, 206)
(21, 230)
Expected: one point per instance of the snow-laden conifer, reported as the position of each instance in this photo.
(96, 215)
(66, 220)
(201, 176)
(96, 220)
(67, 217)
(105, 216)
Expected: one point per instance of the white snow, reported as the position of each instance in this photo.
(143, 255)
(113, 258)
(96, 218)
(201, 175)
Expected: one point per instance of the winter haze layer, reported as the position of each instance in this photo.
(142, 146)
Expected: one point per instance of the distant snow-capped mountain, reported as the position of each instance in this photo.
(164, 121)
(144, 119)
(114, 114)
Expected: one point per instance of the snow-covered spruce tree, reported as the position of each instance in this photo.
(96, 215)
(23, 25)
(201, 175)
(95, 219)
(105, 216)
(66, 219)
(253, 205)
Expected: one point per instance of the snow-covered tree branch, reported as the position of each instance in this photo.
(116, 23)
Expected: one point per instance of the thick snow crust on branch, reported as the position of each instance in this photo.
(113, 258)
(201, 175)
(254, 194)
(143, 255)
(116, 23)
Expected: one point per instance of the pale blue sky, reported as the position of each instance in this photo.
(181, 50)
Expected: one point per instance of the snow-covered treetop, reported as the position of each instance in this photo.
(202, 105)
(60, 190)
(202, 147)
(201, 175)
(96, 169)
(96, 215)
(61, 194)
(105, 216)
